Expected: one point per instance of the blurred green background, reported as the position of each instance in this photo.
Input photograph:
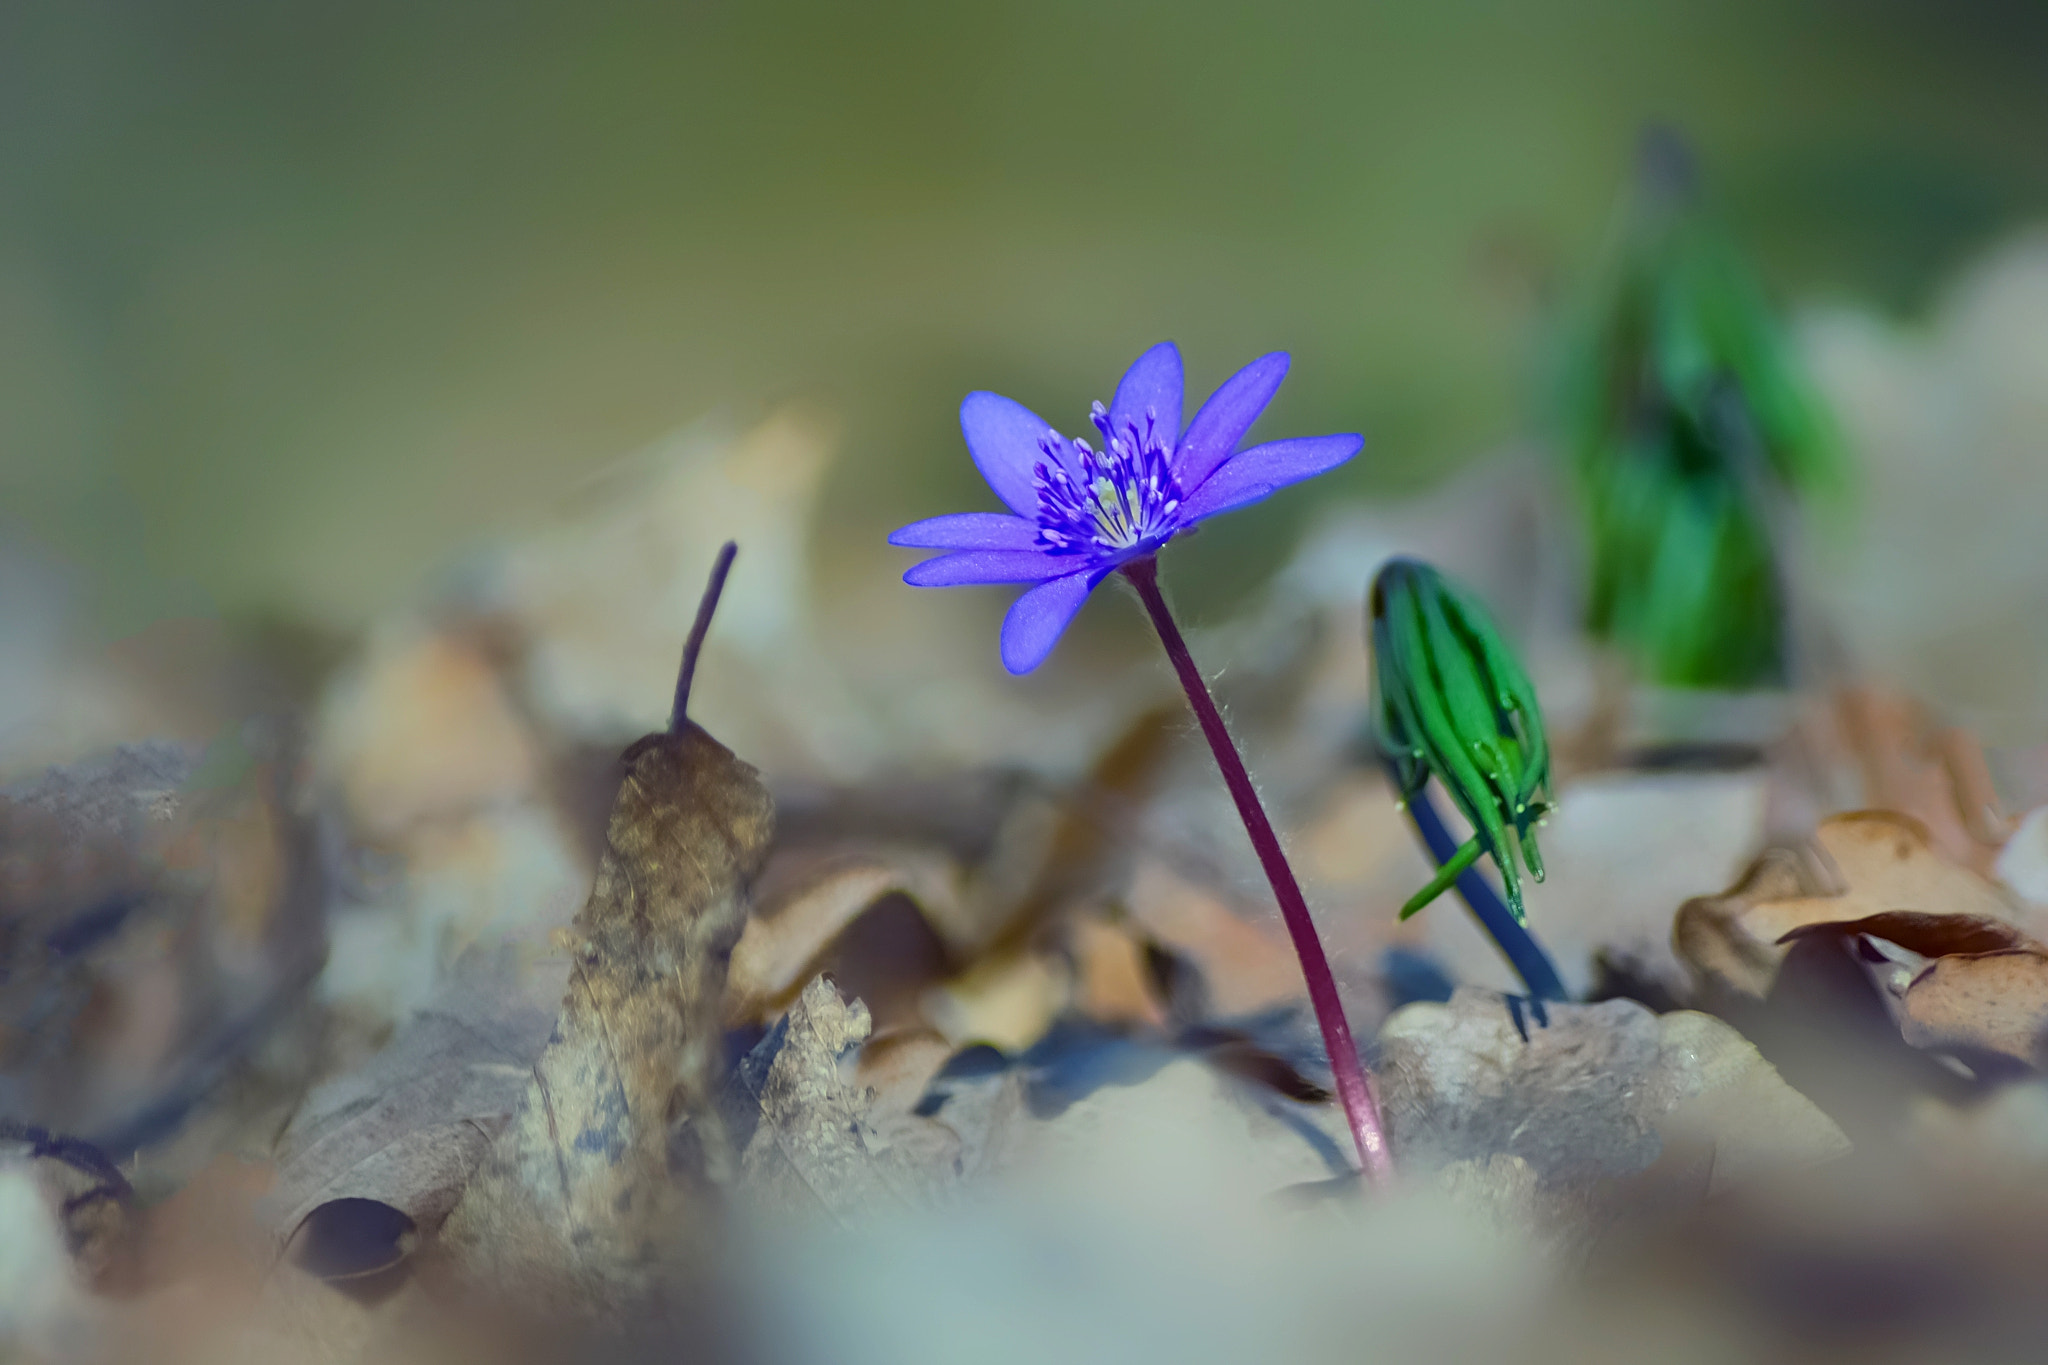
(297, 299)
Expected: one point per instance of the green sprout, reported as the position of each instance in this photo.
(1452, 702)
(1688, 425)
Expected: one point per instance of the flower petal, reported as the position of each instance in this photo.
(1226, 417)
(1153, 381)
(1039, 617)
(1002, 436)
(968, 531)
(1264, 469)
(986, 566)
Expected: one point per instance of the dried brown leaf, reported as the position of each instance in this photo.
(805, 910)
(1045, 852)
(1708, 933)
(1928, 935)
(1994, 1002)
(813, 1148)
(409, 1128)
(1880, 863)
(1889, 861)
(1008, 998)
(586, 1192)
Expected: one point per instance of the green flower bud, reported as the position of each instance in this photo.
(1450, 700)
(1690, 430)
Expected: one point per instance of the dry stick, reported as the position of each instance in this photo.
(1354, 1087)
(698, 629)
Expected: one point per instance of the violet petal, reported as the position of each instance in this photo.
(1226, 417)
(1153, 381)
(1246, 478)
(1038, 618)
(986, 566)
(1002, 436)
(968, 531)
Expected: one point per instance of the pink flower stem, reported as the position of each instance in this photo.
(1354, 1087)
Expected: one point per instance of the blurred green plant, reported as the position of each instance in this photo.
(1451, 701)
(1690, 429)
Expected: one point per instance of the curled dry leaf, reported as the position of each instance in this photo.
(1879, 863)
(1711, 939)
(1008, 998)
(812, 1147)
(1978, 1003)
(1928, 935)
(583, 1196)
(1889, 861)
(1045, 851)
(805, 908)
(408, 1128)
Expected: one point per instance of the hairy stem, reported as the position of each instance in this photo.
(1354, 1087)
(1515, 941)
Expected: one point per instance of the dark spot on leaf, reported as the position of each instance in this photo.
(606, 1136)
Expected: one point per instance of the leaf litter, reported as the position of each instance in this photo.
(977, 1013)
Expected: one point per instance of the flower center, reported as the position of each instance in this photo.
(1124, 498)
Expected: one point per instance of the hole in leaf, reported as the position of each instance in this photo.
(353, 1240)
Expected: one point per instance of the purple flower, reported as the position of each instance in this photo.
(1082, 511)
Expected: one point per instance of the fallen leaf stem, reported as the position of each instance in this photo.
(1513, 938)
(1354, 1086)
(706, 606)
